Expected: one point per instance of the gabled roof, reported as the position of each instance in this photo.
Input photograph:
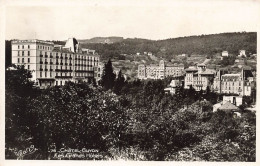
(228, 106)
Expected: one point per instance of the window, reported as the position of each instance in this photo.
(56, 82)
(50, 74)
(60, 82)
(45, 74)
(22, 53)
(18, 47)
(18, 60)
(22, 60)
(28, 67)
(38, 47)
(23, 46)
(29, 46)
(18, 53)
(28, 60)
(40, 74)
(28, 53)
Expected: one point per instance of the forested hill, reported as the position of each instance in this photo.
(203, 45)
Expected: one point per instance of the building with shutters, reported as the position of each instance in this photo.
(55, 64)
(160, 71)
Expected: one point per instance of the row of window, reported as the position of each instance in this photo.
(28, 53)
(28, 46)
(63, 74)
(18, 60)
(44, 47)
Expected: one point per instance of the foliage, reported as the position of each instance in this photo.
(139, 122)
(108, 77)
(202, 45)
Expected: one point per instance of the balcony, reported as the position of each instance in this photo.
(46, 63)
(41, 62)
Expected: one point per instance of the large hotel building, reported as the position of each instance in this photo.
(160, 71)
(55, 64)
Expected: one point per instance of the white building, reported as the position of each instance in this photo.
(242, 53)
(54, 65)
(172, 87)
(160, 71)
(236, 100)
(199, 77)
(225, 53)
(240, 83)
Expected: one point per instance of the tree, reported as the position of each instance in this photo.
(108, 77)
(119, 83)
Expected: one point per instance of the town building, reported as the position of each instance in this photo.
(228, 107)
(236, 100)
(242, 53)
(199, 77)
(171, 89)
(239, 83)
(225, 53)
(55, 64)
(160, 71)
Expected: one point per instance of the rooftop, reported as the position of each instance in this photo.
(228, 106)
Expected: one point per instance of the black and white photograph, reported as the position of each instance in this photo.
(129, 80)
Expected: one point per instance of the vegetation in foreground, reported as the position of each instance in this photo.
(123, 120)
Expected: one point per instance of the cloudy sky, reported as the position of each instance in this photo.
(129, 19)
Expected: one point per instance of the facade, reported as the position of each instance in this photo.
(172, 87)
(225, 53)
(240, 83)
(242, 53)
(54, 64)
(199, 77)
(228, 107)
(160, 72)
(236, 100)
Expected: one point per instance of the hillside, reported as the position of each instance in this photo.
(108, 40)
(202, 45)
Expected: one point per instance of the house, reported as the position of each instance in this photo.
(242, 53)
(239, 83)
(225, 53)
(173, 86)
(236, 100)
(228, 107)
(199, 77)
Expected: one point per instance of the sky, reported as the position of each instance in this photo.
(129, 19)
